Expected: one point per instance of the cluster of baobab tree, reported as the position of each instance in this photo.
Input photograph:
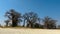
(31, 19)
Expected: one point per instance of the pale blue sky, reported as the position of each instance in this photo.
(41, 7)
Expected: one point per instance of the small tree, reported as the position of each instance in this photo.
(7, 21)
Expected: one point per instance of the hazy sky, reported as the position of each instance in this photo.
(41, 7)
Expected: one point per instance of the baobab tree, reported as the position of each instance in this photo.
(30, 18)
(14, 16)
(49, 23)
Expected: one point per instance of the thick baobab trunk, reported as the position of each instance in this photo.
(30, 24)
(14, 23)
(6, 24)
(24, 23)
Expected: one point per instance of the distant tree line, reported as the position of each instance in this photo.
(31, 20)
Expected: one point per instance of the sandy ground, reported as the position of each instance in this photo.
(28, 31)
